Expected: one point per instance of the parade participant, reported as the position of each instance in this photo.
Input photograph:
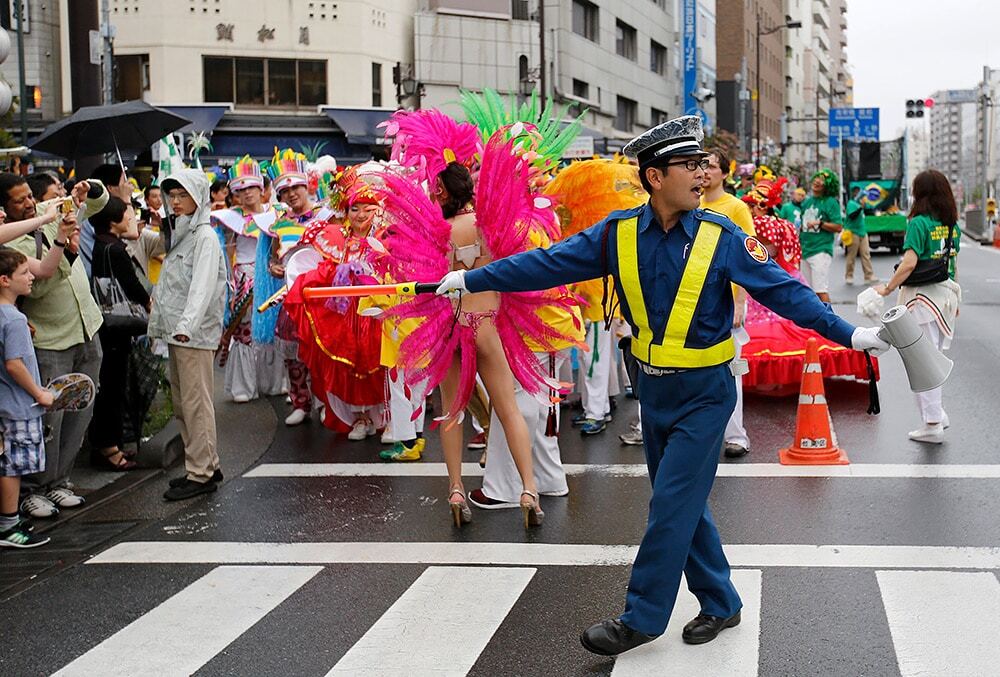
(251, 369)
(791, 211)
(288, 172)
(220, 194)
(715, 198)
(484, 333)
(821, 219)
(925, 279)
(673, 266)
(775, 352)
(854, 223)
(339, 347)
(586, 192)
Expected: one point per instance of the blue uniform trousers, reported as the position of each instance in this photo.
(684, 418)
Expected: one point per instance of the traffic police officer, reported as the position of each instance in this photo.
(673, 265)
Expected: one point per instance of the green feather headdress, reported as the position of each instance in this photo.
(490, 113)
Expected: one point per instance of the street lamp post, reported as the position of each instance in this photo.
(760, 34)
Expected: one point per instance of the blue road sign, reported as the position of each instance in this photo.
(689, 34)
(854, 124)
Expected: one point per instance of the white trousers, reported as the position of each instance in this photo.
(402, 408)
(735, 432)
(500, 479)
(595, 372)
(930, 402)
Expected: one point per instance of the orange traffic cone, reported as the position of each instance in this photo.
(815, 442)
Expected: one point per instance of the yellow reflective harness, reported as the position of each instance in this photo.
(672, 351)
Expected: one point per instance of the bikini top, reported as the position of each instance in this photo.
(466, 255)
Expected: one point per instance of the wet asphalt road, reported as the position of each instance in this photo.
(814, 618)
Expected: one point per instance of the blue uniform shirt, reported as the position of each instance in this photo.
(662, 256)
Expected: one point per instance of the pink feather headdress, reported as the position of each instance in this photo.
(428, 140)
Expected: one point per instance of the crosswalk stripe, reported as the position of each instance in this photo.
(439, 626)
(734, 653)
(539, 554)
(183, 633)
(942, 622)
(857, 470)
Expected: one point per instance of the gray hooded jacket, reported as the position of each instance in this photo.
(190, 296)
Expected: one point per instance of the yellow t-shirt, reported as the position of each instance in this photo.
(738, 213)
(735, 209)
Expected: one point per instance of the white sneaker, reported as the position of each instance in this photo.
(296, 417)
(945, 421)
(38, 506)
(241, 399)
(64, 498)
(370, 429)
(387, 437)
(933, 434)
(359, 431)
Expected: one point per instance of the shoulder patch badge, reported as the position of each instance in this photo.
(755, 249)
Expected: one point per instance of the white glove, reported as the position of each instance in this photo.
(453, 281)
(867, 338)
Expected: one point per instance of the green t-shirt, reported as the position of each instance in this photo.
(792, 213)
(854, 219)
(814, 239)
(928, 238)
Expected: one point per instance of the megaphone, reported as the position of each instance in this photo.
(926, 367)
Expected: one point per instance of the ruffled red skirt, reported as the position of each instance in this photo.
(341, 350)
(776, 353)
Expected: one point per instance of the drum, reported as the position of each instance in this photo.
(300, 260)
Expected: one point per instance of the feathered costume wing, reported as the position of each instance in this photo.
(427, 140)
(418, 244)
(489, 113)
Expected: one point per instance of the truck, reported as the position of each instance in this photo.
(878, 169)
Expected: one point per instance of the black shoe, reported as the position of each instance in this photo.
(178, 481)
(612, 637)
(189, 490)
(733, 450)
(706, 628)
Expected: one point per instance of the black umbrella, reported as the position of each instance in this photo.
(93, 130)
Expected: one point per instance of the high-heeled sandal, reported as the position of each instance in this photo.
(532, 511)
(123, 462)
(460, 511)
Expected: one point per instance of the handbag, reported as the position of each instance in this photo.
(931, 271)
(119, 312)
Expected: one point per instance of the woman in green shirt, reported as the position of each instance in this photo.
(932, 233)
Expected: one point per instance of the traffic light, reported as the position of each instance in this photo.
(915, 107)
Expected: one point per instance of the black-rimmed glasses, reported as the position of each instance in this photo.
(691, 165)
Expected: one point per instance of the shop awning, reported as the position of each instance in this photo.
(203, 117)
(360, 125)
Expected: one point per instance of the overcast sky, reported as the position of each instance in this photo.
(905, 49)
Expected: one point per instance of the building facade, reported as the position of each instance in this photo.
(953, 133)
(615, 59)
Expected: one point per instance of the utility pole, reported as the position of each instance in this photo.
(987, 104)
(543, 66)
(107, 55)
(22, 104)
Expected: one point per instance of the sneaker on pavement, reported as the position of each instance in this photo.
(633, 437)
(178, 481)
(38, 506)
(945, 421)
(558, 494)
(481, 500)
(401, 452)
(19, 536)
(189, 489)
(64, 498)
(592, 427)
(734, 450)
(359, 431)
(477, 442)
(296, 417)
(387, 437)
(933, 434)
(241, 398)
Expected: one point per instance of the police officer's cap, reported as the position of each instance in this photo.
(680, 136)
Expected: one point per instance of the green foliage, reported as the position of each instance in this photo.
(312, 152)
(726, 140)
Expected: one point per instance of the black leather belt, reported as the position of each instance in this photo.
(656, 371)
